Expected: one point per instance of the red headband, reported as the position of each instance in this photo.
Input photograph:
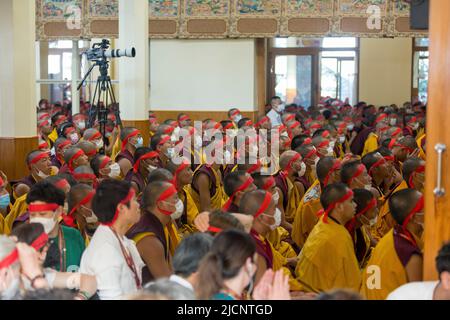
(326, 212)
(184, 118)
(126, 200)
(1, 182)
(43, 123)
(63, 144)
(325, 143)
(381, 117)
(228, 126)
(307, 141)
(163, 140)
(294, 125)
(69, 130)
(39, 157)
(311, 153)
(244, 186)
(95, 136)
(91, 153)
(263, 120)
(265, 204)
(377, 164)
(396, 132)
(281, 128)
(169, 130)
(289, 118)
(418, 207)
(248, 123)
(44, 115)
(68, 219)
(42, 207)
(325, 134)
(413, 119)
(269, 183)
(370, 205)
(214, 229)
(104, 162)
(79, 176)
(43, 145)
(336, 166)
(308, 121)
(315, 126)
(392, 144)
(254, 167)
(14, 255)
(131, 135)
(358, 172)
(149, 155)
(182, 166)
(75, 156)
(235, 112)
(389, 158)
(61, 184)
(167, 193)
(419, 169)
(289, 164)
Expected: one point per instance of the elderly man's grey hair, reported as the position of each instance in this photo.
(170, 289)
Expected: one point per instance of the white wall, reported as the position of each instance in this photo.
(385, 71)
(202, 75)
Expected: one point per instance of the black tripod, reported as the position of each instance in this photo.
(102, 98)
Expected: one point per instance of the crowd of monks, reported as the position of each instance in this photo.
(342, 206)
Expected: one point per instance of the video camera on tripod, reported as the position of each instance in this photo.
(103, 93)
(100, 51)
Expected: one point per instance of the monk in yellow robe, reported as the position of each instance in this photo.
(327, 260)
(397, 259)
(267, 217)
(328, 171)
(414, 178)
(421, 143)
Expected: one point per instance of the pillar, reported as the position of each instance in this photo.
(75, 77)
(134, 72)
(18, 133)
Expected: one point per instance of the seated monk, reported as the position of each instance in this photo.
(398, 255)
(160, 206)
(327, 260)
(328, 172)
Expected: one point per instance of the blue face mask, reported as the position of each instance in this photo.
(139, 142)
(4, 201)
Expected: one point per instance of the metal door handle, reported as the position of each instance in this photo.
(439, 191)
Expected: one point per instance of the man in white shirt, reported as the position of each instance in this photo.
(187, 257)
(275, 113)
(428, 290)
(110, 256)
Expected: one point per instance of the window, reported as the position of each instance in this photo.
(420, 69)
(302, 70)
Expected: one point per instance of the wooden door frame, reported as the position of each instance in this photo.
(313, 52)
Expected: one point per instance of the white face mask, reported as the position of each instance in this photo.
(415, 126)
(139, 142)
(368, 187)
(276, 197)
(170, 152)
(277, 217)
(66, 207)
(173, 137)
(52, 152)
(42, 175)
(332, 144)
(179, 208)
(350, 127)
(330, 151)
(237, 118)
(48, 223)
(198, 142)
(81, 125)
(115, 170)
(392, 122)
(316, 161)
(341, 139)
(302, 171)
(372, 222)
(99, 144)
(284, 134)
(151, 168)
(74, 138)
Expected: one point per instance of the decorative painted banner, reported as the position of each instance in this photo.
(206, 8)
(164, 8)
(59, 9)
(199, 19)
(102, 8)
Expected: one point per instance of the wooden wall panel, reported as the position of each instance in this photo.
(437, 210)
(200, 115)
(13, 152)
